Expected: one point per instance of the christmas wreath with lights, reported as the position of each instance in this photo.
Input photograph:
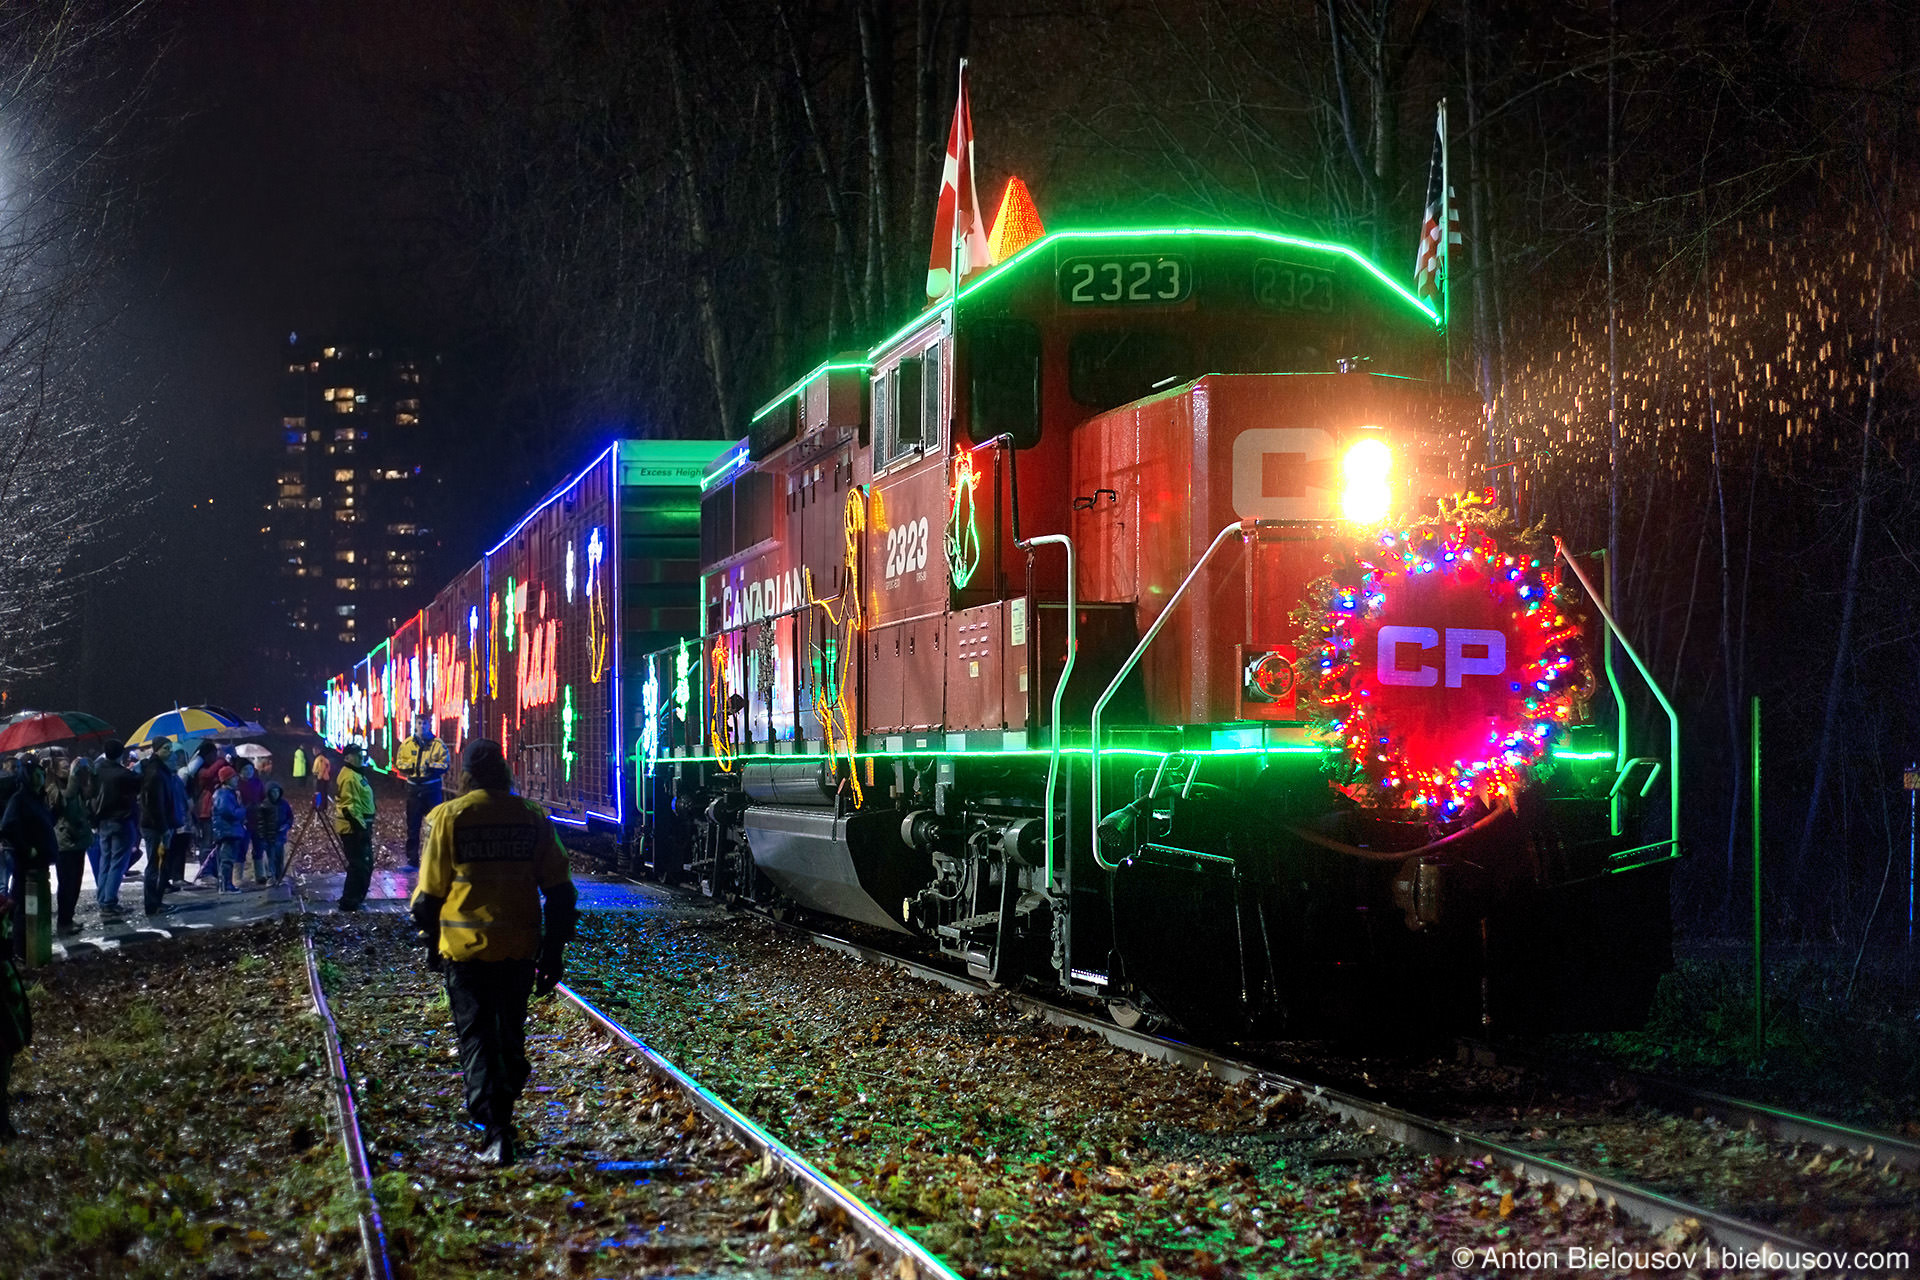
(1484, 666)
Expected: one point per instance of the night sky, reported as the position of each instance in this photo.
(270, 206)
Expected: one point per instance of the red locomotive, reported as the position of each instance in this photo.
(1107, 627)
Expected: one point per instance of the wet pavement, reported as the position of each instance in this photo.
(195, 908)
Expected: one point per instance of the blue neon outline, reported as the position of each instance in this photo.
(558, 493)
(615, 617)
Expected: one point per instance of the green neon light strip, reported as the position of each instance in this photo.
(819, 371)
(1035, 753)
(1002, 271)
(1005, 270)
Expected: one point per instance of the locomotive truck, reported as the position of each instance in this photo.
(1115, 626)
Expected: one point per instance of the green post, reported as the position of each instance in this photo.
(1759, 967)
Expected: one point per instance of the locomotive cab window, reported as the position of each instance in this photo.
(1107, 368)
(1003, 382)
(906, 409)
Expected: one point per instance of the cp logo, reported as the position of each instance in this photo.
(1470, 652)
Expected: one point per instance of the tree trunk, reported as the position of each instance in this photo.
(712, 340)
(1850, 584)
(876, 73)
(829, 182)
(926, 35)
(1613, 314)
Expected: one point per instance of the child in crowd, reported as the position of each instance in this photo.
(271, 820)
(229, 826)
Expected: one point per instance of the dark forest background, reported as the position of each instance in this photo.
(1687, 290)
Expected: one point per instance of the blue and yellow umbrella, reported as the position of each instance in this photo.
(185, 723)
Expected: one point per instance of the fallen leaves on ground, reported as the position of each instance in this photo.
(618, 1175)
(176, 1119)
(1017, 1149)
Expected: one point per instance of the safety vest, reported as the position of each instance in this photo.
(488, 855)
(299, 762)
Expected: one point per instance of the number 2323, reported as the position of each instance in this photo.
(1111, 280)
(906, 547)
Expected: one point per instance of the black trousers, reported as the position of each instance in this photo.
(420, 802)
(357, 844)
(153, 884)
(489, 1002)
(66, 895)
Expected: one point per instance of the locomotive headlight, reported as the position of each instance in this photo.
(1366, 490)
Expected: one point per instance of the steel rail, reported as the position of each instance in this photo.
(1652, 1209)
(1777, 1123)
(1677, 1097)
(910, 1259)
(373, 1232)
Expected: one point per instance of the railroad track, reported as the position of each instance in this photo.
(900, 1254)
(373, 1234)
(1655, 1209)
(910, 1259)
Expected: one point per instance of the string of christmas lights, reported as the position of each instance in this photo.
(1406, 741)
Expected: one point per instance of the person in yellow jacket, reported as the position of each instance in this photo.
(353, 819)
(491, 857)
(422, 762)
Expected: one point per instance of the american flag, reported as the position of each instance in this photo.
(1430, 255)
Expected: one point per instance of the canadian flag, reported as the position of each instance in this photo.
(959, 236)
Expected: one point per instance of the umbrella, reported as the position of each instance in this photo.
(183, 723)
(44, 727)
(253, 751)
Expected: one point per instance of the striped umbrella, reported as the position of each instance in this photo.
(185, 723)
(43, 728)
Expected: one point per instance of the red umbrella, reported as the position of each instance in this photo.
(45, 727)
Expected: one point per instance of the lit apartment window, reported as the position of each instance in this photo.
(293, 422)
(296, 368)
(345, 610)
(346, 584)
(345, 556)
(344, 433)
(343, 406)
(293, 490)
(360, 399)
(407, 404)
(404, 420)
(346, 517)
(343, 474)
(331, 393)
(329, 352)
(313, 503)
(292, 544)
(402, 530)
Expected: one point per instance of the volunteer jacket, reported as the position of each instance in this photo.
(352, 802)
(422, 764)
(489, 858)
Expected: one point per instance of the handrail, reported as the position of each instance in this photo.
(1660, 695)
(1060, 686)
(1241, 527)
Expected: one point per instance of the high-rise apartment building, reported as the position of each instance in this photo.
(350, 526)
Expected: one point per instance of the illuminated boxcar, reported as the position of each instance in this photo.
(525, 646)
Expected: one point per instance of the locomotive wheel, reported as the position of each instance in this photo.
(1125, 1014)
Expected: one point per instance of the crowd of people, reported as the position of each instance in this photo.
(156, 804)
(495, 904)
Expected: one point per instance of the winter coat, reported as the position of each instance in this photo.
(162, 798)
(72, 810)
(229, 815)
(28, 827)
(116, 794)
(252, 791)
(270, 821)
